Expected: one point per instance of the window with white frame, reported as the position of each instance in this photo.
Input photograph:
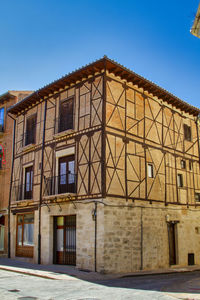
(150, 170)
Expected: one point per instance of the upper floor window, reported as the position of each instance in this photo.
(2, 119)
(28, 186)
(187, 133)
(30, 137)
(180, 180)
(183, 164)
(150, 170)
(66, 176)
(197, 197)
(66, 115)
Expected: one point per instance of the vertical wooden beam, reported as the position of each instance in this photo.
(162, 125)
(89, 136)
(165, 178)
(177, 198)
(11, 180)
(95, 238)
(141, 239)
(41, 182)
(125, 123)
(103, 142)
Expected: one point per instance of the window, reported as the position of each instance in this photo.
(25, 230)
(183, 164)
(30, 136)
(28, 186)
(180, 180)
(187, 133)
(150, 170)
(190, 165)
(66, 177)
(66, 115)
(2, 119)
(197, 197)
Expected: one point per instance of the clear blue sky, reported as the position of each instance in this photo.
(42, 40)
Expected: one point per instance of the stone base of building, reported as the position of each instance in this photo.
(114, 236)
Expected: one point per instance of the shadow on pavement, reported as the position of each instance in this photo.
(183, 282)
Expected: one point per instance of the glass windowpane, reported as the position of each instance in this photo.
(19, 235)
(59, 239)
(29, 218)
(28, 234)
(2, 237)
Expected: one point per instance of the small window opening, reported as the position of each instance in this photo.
(183, 164)
(180, 180)
(187, 133)
(150, 170)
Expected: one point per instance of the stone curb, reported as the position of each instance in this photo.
(160, 273)
(61, 276)
(53, 277)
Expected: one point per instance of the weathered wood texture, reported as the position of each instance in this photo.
(141, 129)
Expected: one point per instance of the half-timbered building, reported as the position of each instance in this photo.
(6, 139)
(106, 173)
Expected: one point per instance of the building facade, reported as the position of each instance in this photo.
(106, 174)
(195, 30)
(6, 140)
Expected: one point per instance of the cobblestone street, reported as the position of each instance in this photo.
(53, 285)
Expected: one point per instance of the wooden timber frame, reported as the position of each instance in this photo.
(122, 123)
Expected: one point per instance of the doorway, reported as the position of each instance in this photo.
(65, 240)
(172, 243)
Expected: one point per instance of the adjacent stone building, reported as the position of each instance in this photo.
(106, 173)
(6, 140)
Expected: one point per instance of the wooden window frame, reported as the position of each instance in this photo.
(197, 195)
(180, 180)
(68, 158)
(150, 170)
(24, 188)
(183, 164)
(187, 133)
(23, 250)
(33, 140)
(72, 98)
(190, 165)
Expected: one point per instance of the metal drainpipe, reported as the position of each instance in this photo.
(95, 240)
(41, 184)
(11, 178)
(141, 240)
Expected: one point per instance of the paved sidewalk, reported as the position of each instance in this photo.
(66, 272)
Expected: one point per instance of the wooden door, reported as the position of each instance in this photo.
(172, 244)
(65, 240)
